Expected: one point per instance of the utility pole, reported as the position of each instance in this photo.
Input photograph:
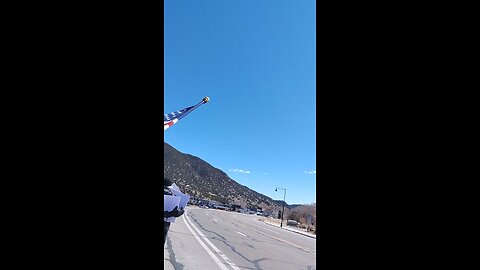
(283, 208)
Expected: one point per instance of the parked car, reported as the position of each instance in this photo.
(292, 223)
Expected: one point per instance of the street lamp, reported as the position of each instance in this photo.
(283, 208)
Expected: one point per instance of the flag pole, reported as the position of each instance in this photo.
(187, 111)
(204, 100)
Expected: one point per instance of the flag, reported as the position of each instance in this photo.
(171, 118)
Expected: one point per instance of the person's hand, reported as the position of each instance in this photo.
(178, 212)
(174, 213)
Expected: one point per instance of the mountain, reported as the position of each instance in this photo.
(199, 179)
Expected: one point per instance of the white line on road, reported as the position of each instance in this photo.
(270, 230)
(227, 260)
(271, 236)
(215, 259)
(241, 233)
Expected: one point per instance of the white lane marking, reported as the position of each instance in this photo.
(270, 230)
(271, 236)
(215, 220)
(241, 233)
(215, 258)
(265, 234)
(227, 260)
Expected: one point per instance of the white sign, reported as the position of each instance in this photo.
(169, 203)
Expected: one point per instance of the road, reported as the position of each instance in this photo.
(215, 239)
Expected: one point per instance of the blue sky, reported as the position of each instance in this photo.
(256, 60)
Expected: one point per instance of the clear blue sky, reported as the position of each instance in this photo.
(256, 60)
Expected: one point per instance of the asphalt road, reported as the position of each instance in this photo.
(215, 239)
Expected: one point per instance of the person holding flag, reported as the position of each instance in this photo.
(166, 214)
(169, 120)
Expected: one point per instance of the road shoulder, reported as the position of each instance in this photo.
(266, 221)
